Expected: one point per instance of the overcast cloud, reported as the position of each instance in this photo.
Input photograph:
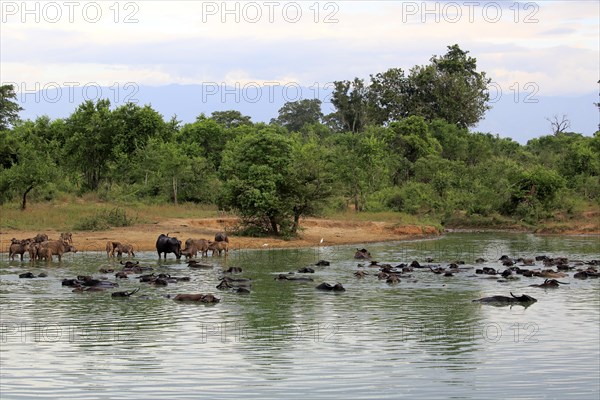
(552, 44)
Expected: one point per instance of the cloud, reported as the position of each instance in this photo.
(553, 44)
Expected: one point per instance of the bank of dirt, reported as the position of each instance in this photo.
(315, 232)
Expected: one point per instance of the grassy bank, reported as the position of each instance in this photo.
(81, 214)
(583, 221)
(74, 215)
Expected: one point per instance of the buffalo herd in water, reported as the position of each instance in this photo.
(40, 248)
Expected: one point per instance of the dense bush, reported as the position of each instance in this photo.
(105, 219)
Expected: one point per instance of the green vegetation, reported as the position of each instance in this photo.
(398, 148)
(117, 217)
(68, 212)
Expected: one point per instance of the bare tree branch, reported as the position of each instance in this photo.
(559, 125)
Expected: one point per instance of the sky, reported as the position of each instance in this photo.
(543, 57)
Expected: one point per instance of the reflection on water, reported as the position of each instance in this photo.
(420, 338)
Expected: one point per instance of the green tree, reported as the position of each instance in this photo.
(32, 165)
(230, 118)
(453, 139)
(361, 164)
(256, 171)
(9, 147)
(89, 141)
(350, 98)
(534, 188)
(409, 140)
(450, 88)
(295, 114)
(580, 158)
(165, 169)
(208, 135)
(134, 125)
(272, 179)
(311, 179)
(387, 95)
(9, 109)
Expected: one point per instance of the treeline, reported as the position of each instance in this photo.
(400, 143)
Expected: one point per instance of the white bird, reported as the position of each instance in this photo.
(265, 245)
(321, 241)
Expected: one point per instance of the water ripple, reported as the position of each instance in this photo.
(421, 338)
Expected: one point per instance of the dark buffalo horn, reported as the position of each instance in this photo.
(516, 297)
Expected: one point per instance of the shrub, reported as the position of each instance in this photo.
(105, 219)
(412, 198)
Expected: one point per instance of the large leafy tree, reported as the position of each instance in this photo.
(256, 167)
(350, 98)
(409, 140)
(30, 164)
(134, 125)
(311, 178)
(388, 97)
(208, 136)
(361, 164)
(272, 179)
(9, 109)
(449, 88)
(230, 118)
(295, 114)
(89, 141)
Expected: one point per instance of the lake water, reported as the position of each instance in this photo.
(422, 338)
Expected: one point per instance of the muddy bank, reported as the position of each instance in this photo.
(315, 232)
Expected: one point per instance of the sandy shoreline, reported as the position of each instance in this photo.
(143, 237)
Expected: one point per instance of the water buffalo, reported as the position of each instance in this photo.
(18, 247)
(110, 248)
(166, 244)
(202, 298)
(40, 237)
(197, 264)
(33, 250)
(362, 254)
(548, 273)
(584, 274)
(550, 283)
(190, 251)
(361, 274)
(218, 247)
(292, 277)
(221, 237)
(66, 237)
(201, 245)
(55, 248)
(233, 284)
(505, 300)
(124, 294)
(124, 248)
(335, 288)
